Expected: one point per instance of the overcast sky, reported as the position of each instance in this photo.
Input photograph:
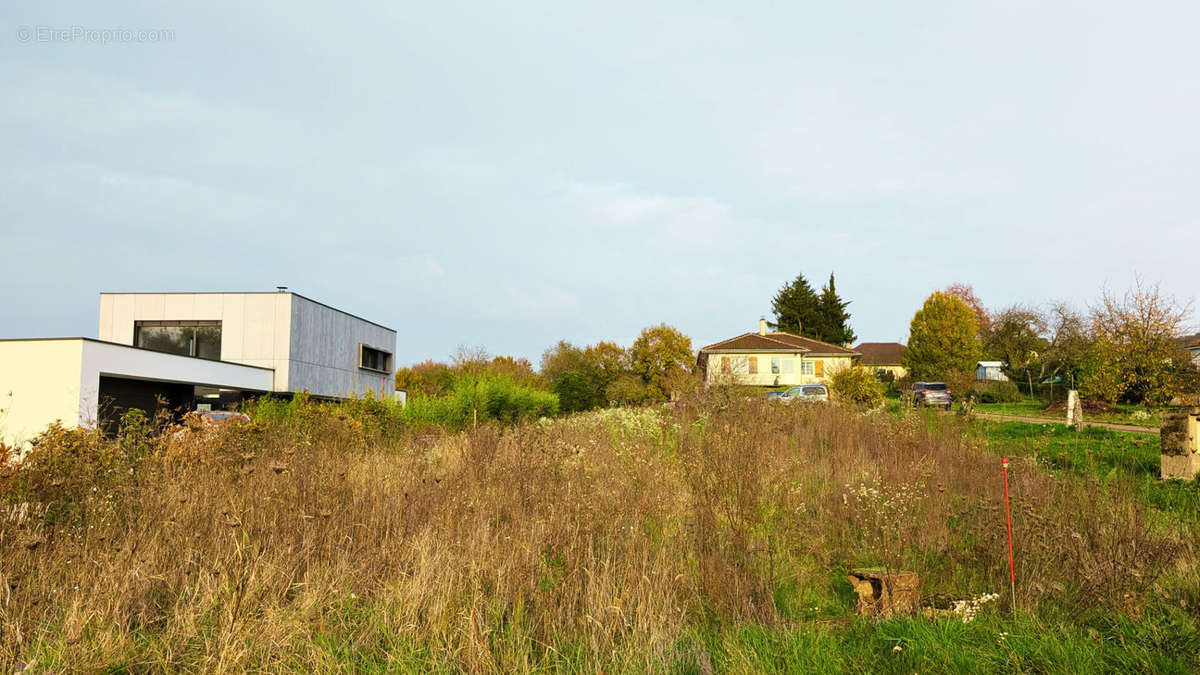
(512, 176)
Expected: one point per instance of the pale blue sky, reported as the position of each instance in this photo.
(511, 176)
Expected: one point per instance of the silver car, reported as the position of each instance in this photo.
(932, 394)
(809, 393)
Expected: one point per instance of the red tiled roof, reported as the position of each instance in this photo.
(777, 342)
(880, 353)
(814, 346)
(753, 342)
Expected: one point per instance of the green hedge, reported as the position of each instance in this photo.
(996, 392)
(471, 397)
(482, 397)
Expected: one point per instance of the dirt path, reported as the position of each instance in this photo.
(1132, 428)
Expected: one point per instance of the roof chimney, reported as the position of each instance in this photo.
(762, 326)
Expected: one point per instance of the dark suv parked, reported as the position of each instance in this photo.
(932, 393)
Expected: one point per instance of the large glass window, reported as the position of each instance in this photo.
(188, 338)
(782, 365)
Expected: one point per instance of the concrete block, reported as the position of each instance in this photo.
(1179, 437)
(883, 594)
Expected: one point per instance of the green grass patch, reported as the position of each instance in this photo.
(1099, 453)
(1136, 415)
(989, 644)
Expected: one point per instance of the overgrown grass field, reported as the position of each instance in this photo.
(711, 538)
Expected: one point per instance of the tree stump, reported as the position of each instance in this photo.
(883, 594)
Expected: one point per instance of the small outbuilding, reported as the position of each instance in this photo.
(990, 371)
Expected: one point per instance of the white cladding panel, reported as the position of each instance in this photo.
(254, 326)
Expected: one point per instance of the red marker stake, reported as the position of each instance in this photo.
(1012, 570)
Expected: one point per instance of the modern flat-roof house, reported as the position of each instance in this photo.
(771, 358)
(193, 350)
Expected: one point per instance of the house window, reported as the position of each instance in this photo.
(740, 365)
(187, 338)
(370, 358)
(782, 365)
(806, 367)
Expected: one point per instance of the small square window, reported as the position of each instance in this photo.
(378, 360)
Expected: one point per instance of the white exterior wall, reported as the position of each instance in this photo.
(254, 326)
(40, 382)
(47, 380)
(714, 373)
(325, 351)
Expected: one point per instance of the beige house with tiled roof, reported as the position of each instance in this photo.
(883, 357)
(769, 358)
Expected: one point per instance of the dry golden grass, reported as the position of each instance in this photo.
(311, 542)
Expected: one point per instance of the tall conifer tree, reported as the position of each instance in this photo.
(834, 325)
(797, 309)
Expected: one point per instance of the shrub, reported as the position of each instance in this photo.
(856, 385)
(627, 389)
(8, 461)
(472, 397)
(575, 392)
(995, 392)
(480, 398)
(78, 473)
(960, 381)
(379, 417)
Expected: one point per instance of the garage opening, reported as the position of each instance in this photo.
(119, 395)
